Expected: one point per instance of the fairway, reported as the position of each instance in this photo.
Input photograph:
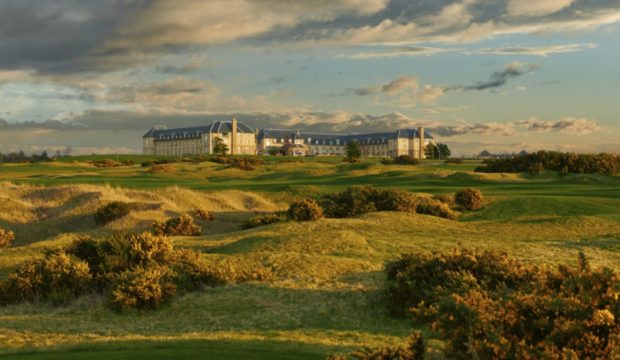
(326, 293)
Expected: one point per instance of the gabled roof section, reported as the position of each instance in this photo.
(161, 133)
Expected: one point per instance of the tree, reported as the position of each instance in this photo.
(431, 151)
(219, 147)
(444, 151)
(353, 151)
(44, 155)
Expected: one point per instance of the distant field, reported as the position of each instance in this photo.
(327, 293)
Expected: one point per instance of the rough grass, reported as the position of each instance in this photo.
(326, 293)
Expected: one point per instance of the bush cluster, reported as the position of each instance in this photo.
(162, 168)
(111, 212)
(261, 220)
(357, 200)
(406, 160)
(487, 305)
(6, 238)
(203, 215)
(413, 350)
(179, 226)
(134, 271)
(243, 163)
(106, 163)
(469, 199)
(58, 278)
(565, 163)
(305, 210)
(433, 207)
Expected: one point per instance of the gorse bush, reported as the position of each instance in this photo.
(305, 210)
(6, 238)
(106, 163)
(111, 212)
(203, 215)
(414, 350)
(565, 163)
(436, 208)
(357, 200)
(242, 163)
(162, 168)
(58, 278)
(134, 271)
(406, 160)
(179, 226)
(142, 288)
(486, 305)
(469, 199)
(261, 220)
(396, 200)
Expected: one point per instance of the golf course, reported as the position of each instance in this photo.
(326, 294)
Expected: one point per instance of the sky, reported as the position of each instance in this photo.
(502, 76)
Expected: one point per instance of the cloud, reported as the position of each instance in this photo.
(482, 129)
(534, 50)
(406, 88)
(498, 78)
(537, 7)
(396, 52)
(578, 126)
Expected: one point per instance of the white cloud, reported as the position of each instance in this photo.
(543, 51)
(537, 7)
(571, 125)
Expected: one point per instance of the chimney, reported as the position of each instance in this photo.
(233, 137)
(422, 146)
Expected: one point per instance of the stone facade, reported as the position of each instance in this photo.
(239, 138)
(411, 142)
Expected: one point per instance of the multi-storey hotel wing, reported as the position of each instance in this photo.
(199, 140)
(241, 139)
(411, 142)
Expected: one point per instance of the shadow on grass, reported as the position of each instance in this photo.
(179, 350)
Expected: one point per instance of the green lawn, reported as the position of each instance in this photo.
(326, 296)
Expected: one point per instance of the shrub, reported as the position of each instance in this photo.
(489, 306)
(147, 164)
(436, 208)
(106, 163)
(305, 210)
(146, 249)
(245, 163)
(414, 350)
(142, 288)
(261, 220)
(162, 168)
(112, 211)
(469, 199)
(6, 238)
(406, 160)
(128, 162)
(203, 215)
(179, 226)
(396, 200)
(447, 199)
(58, 278)
(419, 280)
(354, 200)
(455, 161)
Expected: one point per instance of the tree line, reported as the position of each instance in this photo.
(565, 163)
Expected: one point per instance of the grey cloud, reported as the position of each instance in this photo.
(579, 126)
(395, 86)
(483, 129)
(66, 36)
(498, 78)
